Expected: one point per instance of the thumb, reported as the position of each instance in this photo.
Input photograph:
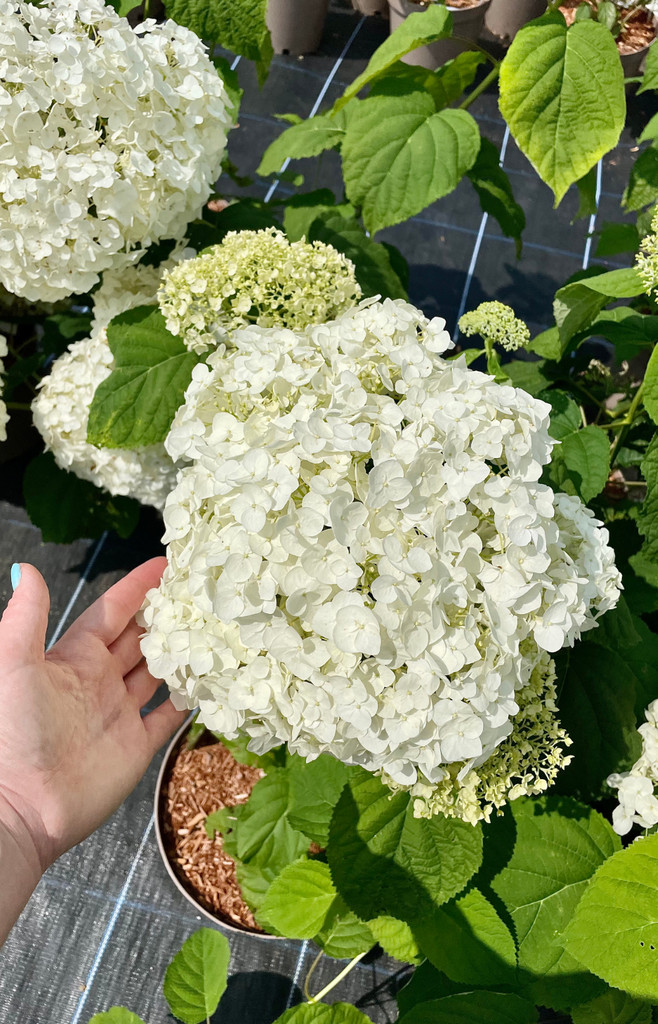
(25, 620)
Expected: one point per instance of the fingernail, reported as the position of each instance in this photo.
(15, 575)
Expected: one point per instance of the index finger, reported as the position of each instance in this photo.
(107, 617)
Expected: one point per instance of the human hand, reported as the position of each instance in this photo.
(72, 741)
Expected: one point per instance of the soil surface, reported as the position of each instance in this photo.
(639, 30)
(196, 783)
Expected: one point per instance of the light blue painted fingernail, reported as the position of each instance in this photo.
(15, 575)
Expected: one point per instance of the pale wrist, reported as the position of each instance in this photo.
(21, 865)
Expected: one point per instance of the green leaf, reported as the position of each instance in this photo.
(308, 138)
(264, 820)
(231, 83)
(444, 85)
(427, 984)
(581, 463)
(122, 7)
(625, 283)
(614, 932)
(562, 95)
(237, 25)
(597, 709)
(495, 192)
(418, 29)
(565, 417)
(650, 78)
(66, 508)
(651, 386)
(299, 899)
(321, 1013)
(559, 845)
(468, 941)
(60, 329)
(645, 562)
(197, 976)
(575, 307)
(396, 938)
(469, 1007)
(587, 192)
(343, 935)
(136, 404)
(612, 1007)
(629, 331)
(650, 130)
(547, 344)
(616, 238)
(642, 187)
(386, 862)
(117, 1015)
(399, 155)
(305, 207)
(531, 376)
(372, 261)
(315, 787)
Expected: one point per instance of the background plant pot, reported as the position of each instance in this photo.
(468, 23)
(377, 7)
(296, 25)
(216, 919)
(633, 63)
(505, 17)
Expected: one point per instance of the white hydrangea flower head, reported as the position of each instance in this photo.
(636, 789)
(4, 415)
(256, 277)
(61, 409)
(112, 139)
(361, 560)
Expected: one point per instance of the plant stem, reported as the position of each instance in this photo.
(311, 970)
(19, 405)
(626, 424)
(339, 977)
(484, 84)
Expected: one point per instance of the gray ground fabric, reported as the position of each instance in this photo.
(106, 920)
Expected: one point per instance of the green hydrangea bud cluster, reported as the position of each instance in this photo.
(497, 324)
(524, 764)
(647, 258)
(256, 277)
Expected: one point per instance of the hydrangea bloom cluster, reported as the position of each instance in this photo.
(497, 324)
(647, 258)
(524, 764)
(61, 409)
(638, 803)
(4, 416)
(361, 558)
(256, 277)
(111, 140)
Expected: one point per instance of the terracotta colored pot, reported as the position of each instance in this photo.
(468, 23)
(296, 25)
(505, 17)
(378, 8)
(157, 809)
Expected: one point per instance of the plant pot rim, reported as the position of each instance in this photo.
(215, 918)
(449, 6)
